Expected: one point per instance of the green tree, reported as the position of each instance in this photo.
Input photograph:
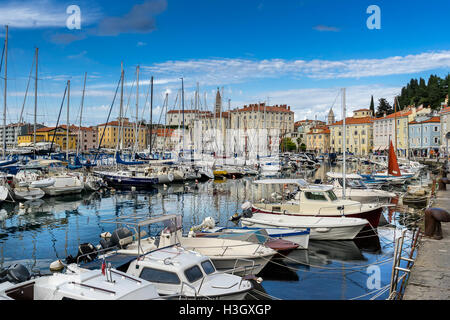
(372, 106)
(287, 145)
(303, 147)
(299, 141)
(384, 107)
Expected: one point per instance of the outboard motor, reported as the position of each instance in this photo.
(247, 210)
(120, 234)
(15, 274)
(86, 253)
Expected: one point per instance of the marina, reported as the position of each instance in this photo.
(156, 152)
(36, 233)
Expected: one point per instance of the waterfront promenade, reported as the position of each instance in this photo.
(430, 275)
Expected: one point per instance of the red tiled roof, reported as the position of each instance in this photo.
(299, 123)
(322, 130)
(353, 120)
(398, 114)
(361, 110)
(445, 109)
(163, 132)
(431, 120)
(117, 123)
(262, 107)
(188, 111)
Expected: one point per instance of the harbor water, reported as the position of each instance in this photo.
(37, 233)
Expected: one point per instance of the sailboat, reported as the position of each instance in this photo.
(393, 175)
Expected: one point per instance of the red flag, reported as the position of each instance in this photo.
(103, 267)
(393, 167)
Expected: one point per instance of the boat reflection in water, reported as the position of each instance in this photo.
(325, 253)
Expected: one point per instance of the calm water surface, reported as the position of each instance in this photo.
(52, 228)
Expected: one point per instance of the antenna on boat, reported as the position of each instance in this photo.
(4, 105)
(35, 102)
(344, 145)
(81, 113)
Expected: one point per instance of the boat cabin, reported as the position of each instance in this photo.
(82, 285)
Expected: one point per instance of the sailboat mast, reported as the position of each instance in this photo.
(136, 140)
(68, 124)
(81, 114)
(395, 120)
(35, 100)
(182, 103)
(151, 115)
(119, 140)
(4, 105)
(344, 145)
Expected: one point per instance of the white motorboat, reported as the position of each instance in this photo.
(64, 184)
(231, 256)
(75, 284)
(175, 271)
(4, 193)
(314, 201)
(356, 190)
(321, 228)
(300, 237)
(28, 193)
(43, 183)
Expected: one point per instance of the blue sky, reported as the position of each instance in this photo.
(296, 52)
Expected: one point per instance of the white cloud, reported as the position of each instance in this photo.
(226, 71)
(322, 27)
(309, 103)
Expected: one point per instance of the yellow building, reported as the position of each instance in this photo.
(112, 132)
(56, 135)
(359, 130)
(318, 139)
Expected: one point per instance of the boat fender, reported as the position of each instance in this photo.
(105, 235)
(246, 205)
(322, 230)
(56, 266)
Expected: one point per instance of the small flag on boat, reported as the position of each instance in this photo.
(103, 267)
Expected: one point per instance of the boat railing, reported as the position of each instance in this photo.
(245, 267)
(342, 208)
(189, 286)
(98, 252)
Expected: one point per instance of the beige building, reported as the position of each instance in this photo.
(318, 139)
(260, 116)
(359, 128)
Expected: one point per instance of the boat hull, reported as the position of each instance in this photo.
(372, 216)
(322, 228)
(128, 183)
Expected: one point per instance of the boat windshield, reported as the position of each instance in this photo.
(332, 195)
(193, 274)
(313, 195)
(159, 276)
(208, 267)
(356, 184)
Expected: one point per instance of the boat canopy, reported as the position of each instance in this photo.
(316, 187)
(299, 182)
(338, 175)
